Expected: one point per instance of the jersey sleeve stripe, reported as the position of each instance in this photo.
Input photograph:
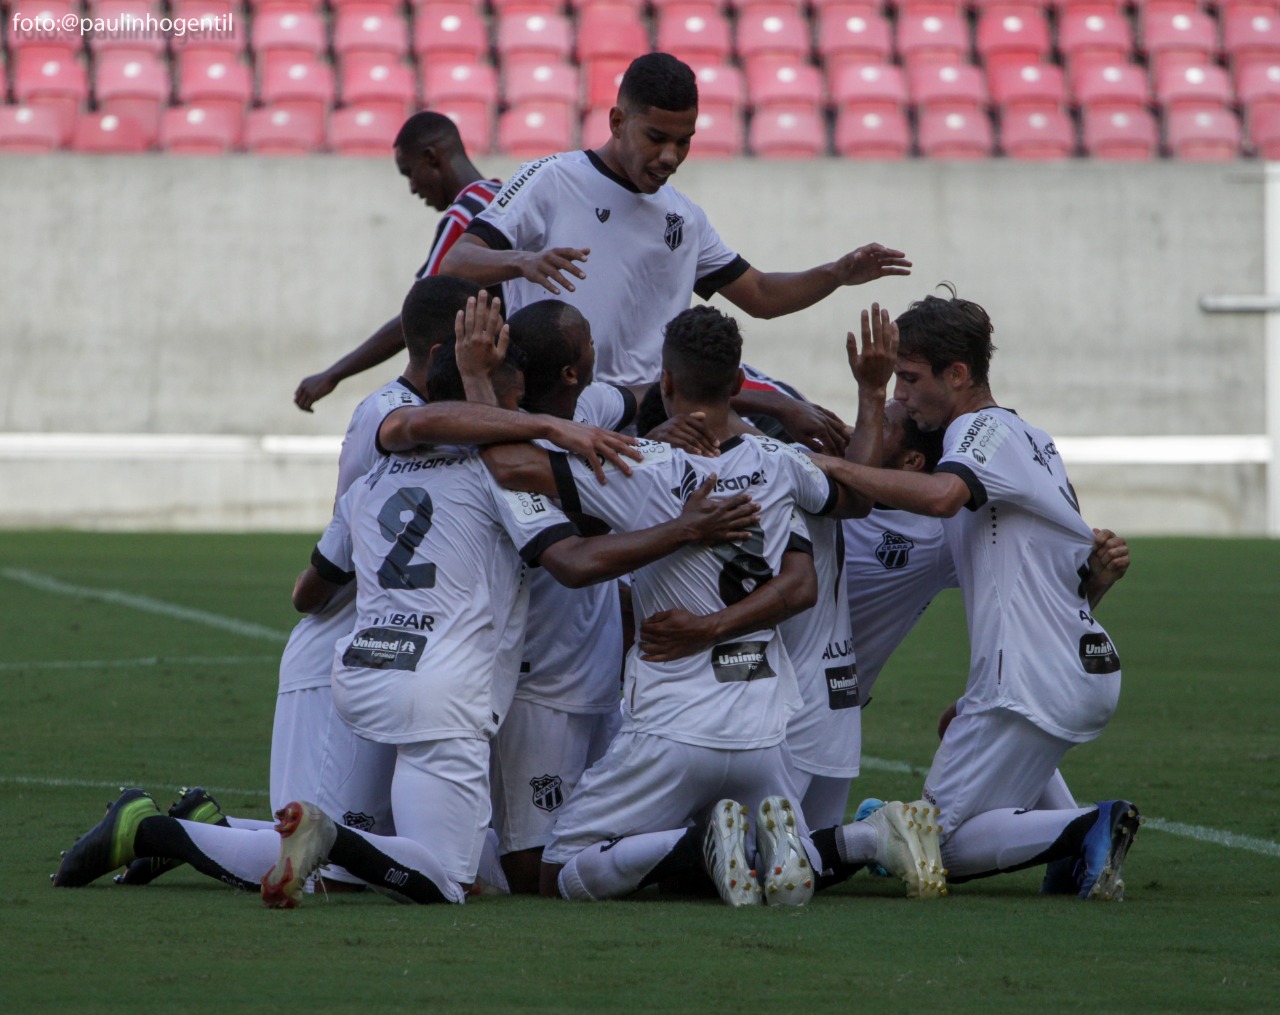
(709, 285)
(798, 544)
(628, 407)
(490, 233)
(977, 492)
(328, 570)
(533, 550)
(833, 497)
(566, 486)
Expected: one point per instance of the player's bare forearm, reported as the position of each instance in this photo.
(377, 348)
(311, 593)
(775, 293)
(1108, 563)
(521, 467)
(872, 367)
(460, 423)
(471, 258)
(675, 634)
(813, 426)
(938, 495)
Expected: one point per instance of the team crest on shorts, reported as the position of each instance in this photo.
(894, 551)
(675, 230)
(547, 792)
(357, 819)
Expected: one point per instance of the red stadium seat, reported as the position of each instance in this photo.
(872, 134)
(942, 87)
(952, 134)
(474, 123)
(1122, 86)
(450, 31)
(719, 133)
(287, 36)
(1206, 87)
(533, 130)
(365, 132)
(199, 130)
(364, 30)
(108, 134)
(377, 84)
(870, 87)
(787, 133)
(1258, 87)
(692, 30)
(601, 80)
(134, 86)
(270, 131)
(1202, 135)
(1037, 134)
(1264, 133)
(782, 81)
(932, 36)
(608, 29)
(543, 36)
(1177, 37)
(52, 81)
(132, 36)
(852, 33)
(527, 6)
(1094, 35)
(1028, 87)
(1012, 33)
(223, 28)
(459, 82)
(1119, 133)
(721, 85)
(595, 127)
(37, 28)
(542, 81)
(772, 30)
(216, 81)
(301, 87)
(1251, 35)
(29, 130)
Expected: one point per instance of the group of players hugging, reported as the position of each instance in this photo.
(542, 654)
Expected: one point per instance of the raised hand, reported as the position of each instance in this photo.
(869, 262)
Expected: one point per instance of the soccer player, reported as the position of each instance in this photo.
(707, 725)
(644, 247)
(1044, 674)
(430, 154)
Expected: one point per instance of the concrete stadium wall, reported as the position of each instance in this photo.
(158, 295)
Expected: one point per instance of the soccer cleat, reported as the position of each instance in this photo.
(865, 809)
(1104, 848)
(1061, 877)
(194, 804)
(108, 844)
(306, 836)
(908, 846)
(725, 855)
(788, 878)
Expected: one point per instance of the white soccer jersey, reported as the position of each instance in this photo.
(573, 645)
(307, 659)
(436, 548)
(895, 562)
(649, 254)
(825, 735)
(738, 694)
(1020, 551)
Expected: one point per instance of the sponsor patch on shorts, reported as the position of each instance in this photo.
(741, 660)
(383, 648)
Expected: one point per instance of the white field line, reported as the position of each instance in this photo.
(242, 627)
(97, 664)
(116, 786)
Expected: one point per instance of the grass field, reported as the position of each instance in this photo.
(151, 660)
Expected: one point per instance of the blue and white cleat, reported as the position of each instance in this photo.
(788, 877)
(1105, 846)
(907, 845)
(865, 809)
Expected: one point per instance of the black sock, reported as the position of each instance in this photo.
(363, 859)
(165, 837)
(681, 871)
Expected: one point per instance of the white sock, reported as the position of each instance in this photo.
(490, 870)
(247, 853)
(1004, 839)
(857, 842)
(252, 824)
(610, 870)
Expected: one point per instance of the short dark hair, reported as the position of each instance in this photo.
(429, 310)
(702, 350)
(651, 412)
(927, 442)
(659, 80)
(426, 127)
(539, 331)
(444, 381)
(945, 331)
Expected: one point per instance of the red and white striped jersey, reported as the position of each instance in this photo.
(470, 202)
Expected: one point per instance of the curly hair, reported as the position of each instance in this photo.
(658, 80)
(945, 331)
(702, 350)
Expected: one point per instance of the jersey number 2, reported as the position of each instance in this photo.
(396, 572)
(745, 568)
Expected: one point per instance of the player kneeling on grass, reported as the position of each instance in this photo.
(439, 551)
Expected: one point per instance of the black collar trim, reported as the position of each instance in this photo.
(604, 170)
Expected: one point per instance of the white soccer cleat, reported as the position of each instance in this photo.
(788, 877)
(908, 846)
(306, 836)
(725, 854)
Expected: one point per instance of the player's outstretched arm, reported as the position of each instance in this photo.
(772, 294)
(813, 426)
(1108, 563)
(473, 259)
(939, 494)
(675, 634)
(377, 348)
(872, 368)
(585, 561)
(480, 347)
